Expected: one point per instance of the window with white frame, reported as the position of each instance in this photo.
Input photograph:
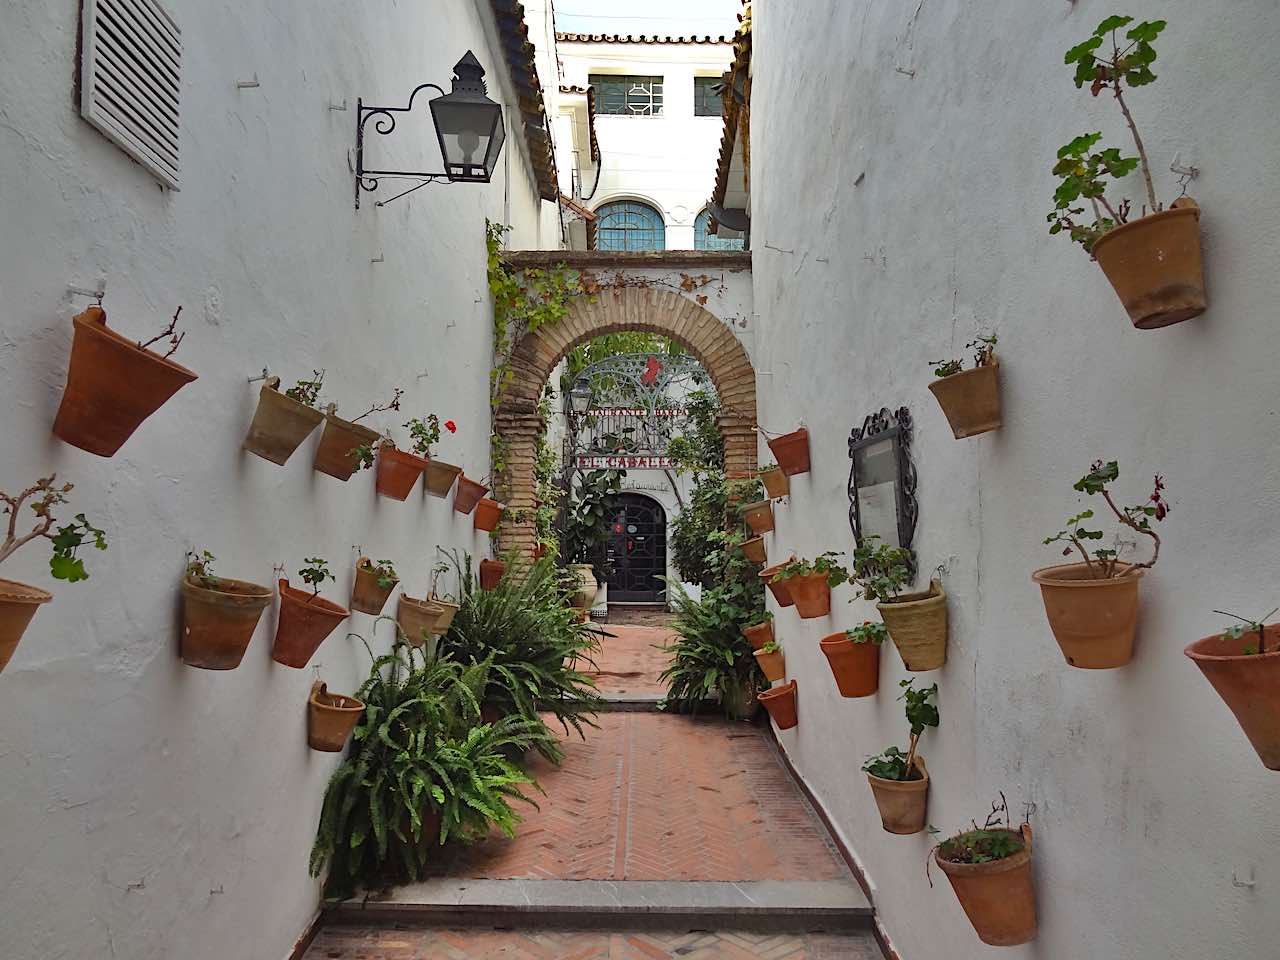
(628, 96)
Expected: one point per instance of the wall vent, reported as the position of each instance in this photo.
(131, 76)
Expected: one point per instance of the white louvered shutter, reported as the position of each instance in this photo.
(131, 76)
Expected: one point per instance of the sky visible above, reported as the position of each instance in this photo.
(663, 17)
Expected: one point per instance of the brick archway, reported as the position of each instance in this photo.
(618, 310)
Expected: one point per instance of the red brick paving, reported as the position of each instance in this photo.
(630, 661)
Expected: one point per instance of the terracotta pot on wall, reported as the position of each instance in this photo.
(305, 622)
(113, 385)
(754, 550)
(903, 804)
(280, 424)
(970, 399)
(488, 513)
(759, 516)
(856, 666)
(779, 590)
(775, 482)
(791, 450)
(334, 456)
(1155, 265)
(468, 494)
(759, 635)
(773, 665)
(18, 604)
(398, 471)
(781, 704)
(367, 595)
(917, 624)
(218, 623)
(1249, 684)
(447, 612)
(440, 477)
(491, 572)
(811, 594)
(1094, 621)
(417, 619)
(330, 718)
(998, 897)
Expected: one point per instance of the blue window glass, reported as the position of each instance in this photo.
(627, 225)
(706, 241)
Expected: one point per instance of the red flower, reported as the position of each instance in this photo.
(451, 426)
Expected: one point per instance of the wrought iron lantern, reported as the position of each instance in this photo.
(580, 396)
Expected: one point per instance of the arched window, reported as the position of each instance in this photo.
(706, 241)
(627, 225)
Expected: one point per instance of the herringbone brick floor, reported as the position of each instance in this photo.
(630, 661)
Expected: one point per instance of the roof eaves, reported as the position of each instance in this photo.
(518, 53)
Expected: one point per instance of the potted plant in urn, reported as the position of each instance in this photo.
(1154, 261)
(775, 480)
(809, 583)
(759, 629)
(305, 619)
(19, 601)
(1093, 606)
(772, 663)
(792, 451)
(854, 657)
(283, 420)
(347, 445)
(917, 622)
(425, 434)
(330, 718)
(114, 383)
(219, 615)
(970, 399)
(899, 782)
(373, 585)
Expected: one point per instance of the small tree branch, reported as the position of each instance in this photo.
(911, 756)
(12, 543)
(1084, 553)
(1142, 150)
(1133, 525)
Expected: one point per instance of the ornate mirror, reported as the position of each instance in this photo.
(882, 480)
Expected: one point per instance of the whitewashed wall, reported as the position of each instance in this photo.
(149, 810)
(1147, 795)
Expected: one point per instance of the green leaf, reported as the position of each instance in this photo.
(1113, 23)
(1146, 31)
(67, 568)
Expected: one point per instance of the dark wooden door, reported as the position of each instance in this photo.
(637, 550)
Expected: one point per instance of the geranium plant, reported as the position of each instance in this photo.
(824, 564)
(880, 571)
(384, 570)
(44, 497)
(200, 568)
(868, 632)
(984, 352)
(307, 391)
(1103, 563)
(315, 573)
(426, 433)
(893, 764)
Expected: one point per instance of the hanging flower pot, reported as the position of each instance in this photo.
(280, 424)
(759, 516)
(587, 585)
(218, 621)
(468, 494)
(398, 471)
(1249, 684)
(417, 619)
(753, 550)
(491, 572)
(447, 612)
(781, 704)
(776, 483)
(998, 895)
(917, 624)
(792, 452)
(856, 666)
(113, 385)
(1155, 265)
(488, 513)
(305, 621)
(373, 585)
(778, 588)
(902, 803)
(970, 399)
(330, 718)
(1094, 621)
(759, 634)
(335, 455)
(812, 595)
(772, 663)
(440, 477)
(18, 604)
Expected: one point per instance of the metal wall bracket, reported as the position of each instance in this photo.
(367, 179)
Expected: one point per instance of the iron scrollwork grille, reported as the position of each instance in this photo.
(893, 427)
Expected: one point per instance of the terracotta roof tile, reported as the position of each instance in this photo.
(637, 38)
(518, 53)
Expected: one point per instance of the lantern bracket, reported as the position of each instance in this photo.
(385, 123)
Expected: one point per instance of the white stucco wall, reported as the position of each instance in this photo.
(150, 810)
(1147, 795)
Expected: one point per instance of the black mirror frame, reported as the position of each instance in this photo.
(896, 426)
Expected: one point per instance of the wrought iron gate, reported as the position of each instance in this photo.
(637, 550)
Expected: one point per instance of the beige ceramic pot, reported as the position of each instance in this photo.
(776, 482)
(1094, 621)
(1249, 684)
(773, 665)
(367, 595)
(440, 477)
(18, 604)
(417, 619)
(587, 585)
(970, 400)
(903, 804)
(330, 718)
(218, 623)
(1155, 265)
(917, 624)
(280, 424)
(335, 454)
(999, 896)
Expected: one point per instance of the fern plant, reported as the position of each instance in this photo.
(710, 657)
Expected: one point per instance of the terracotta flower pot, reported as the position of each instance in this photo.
(776, 483)
(780, 591)
(488, 513)
(587, 585)
(113, 385)
(447, 612)
(367, 595)
(773, 665)
(759, 516)
(754, 551)
(781, 704)
(811, 594)
(334, 455)
(305, 622)
(998, 897)
(917, 625)
(280, 424)
(1094, 621)
(218, 623)
(468, 494)
(970, 399)
(18, 604)
(398, 471)
(1154, 264)
(1249, 684)
(330, 718)
(856, 666)
(417, 619)
(902, 803)
(440, 477)
(792, 452)
(759, 635)
(491, 572)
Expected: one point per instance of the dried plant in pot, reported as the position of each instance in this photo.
(780, 701)
(854, 657)
(330, 718)
(219, 615)
(283, 420)
(425, 433)
(778, 588)
(114, 384)
(775, 480)
(1153, 262)
(488, 513)
(792, 452)
(347, 446)
(760, 630)
(916, 621)
(970, 399)
(809, 583)
(1093, 606)
(19, 601)
(772, 662)
(899, 781)
(306, 619)
(373, 585)
(468, 494)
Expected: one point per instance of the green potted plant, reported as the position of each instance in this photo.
(19, 601)
(759, 629)
(305, 619)
(854, 657)
(772, 663)
(970, 399)
(899, 782)
(917, 622)
(426, 434)
(792, 451)
(219, 615)
(775, 480)
(1153, 262)
(283, 420)
(330, 718)
(1093, 606)
(809, 583)
(779, 588)
(347, 445)
(373, 585)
